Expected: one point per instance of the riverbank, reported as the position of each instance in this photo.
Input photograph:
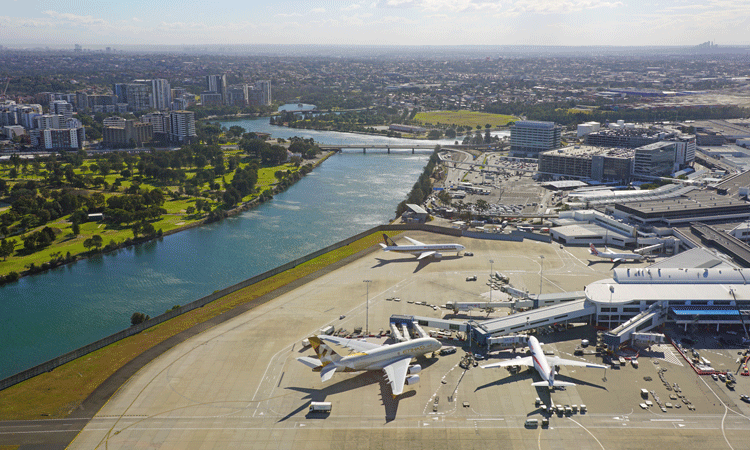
(37, 264)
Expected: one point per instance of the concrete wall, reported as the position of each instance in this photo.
(101, 343)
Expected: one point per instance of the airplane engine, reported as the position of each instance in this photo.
(412, 380)
(438, 255)
(416, 368)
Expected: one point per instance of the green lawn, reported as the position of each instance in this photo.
(463, 118)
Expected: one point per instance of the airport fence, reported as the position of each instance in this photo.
(135, 329)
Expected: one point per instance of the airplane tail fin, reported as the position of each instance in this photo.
(325, 353)
(593, 250)
(388, 241)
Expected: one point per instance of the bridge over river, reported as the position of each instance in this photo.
(400, 147)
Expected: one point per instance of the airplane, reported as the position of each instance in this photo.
(419, 249)
(614, 257)
(394, 359)
(543, 365)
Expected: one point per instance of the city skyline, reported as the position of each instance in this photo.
(58, 23)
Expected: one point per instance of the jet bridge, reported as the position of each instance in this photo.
(549, 315)
(646, 320)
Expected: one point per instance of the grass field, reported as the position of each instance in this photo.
(463, 118)
(57, 393)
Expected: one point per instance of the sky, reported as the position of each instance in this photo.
(99, 23)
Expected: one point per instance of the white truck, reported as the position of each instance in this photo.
(321, 407)
(327, 330)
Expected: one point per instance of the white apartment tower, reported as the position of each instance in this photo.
(265, 91)
(161, 94)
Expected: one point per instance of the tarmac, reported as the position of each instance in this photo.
(237, 385)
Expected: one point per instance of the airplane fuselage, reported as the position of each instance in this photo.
(382, 356)
(606, 254)
(419, 249)
(540, 361)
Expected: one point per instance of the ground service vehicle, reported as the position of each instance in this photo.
(322, 407)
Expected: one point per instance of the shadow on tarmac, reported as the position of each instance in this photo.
(421, 263)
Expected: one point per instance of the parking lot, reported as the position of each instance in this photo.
(238, 385)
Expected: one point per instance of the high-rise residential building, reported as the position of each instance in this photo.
(237, 95)
(61, 107)
(161, 94)
(114, 121)
(49, 121)
(159, 120)
(217, 83)
(264, 86)
(58, 138)
(130, 133)
(211, 98)
(137, 95)
(82, 102)
(528, 138)
(182, 126)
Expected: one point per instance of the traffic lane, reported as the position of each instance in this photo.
(52, 434)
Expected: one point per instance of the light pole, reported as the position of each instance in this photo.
(541, 273)
(367, 308)
(491, 263)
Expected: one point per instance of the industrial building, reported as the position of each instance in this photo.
(692, 205)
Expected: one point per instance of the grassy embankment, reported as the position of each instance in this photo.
(463, 118)
(56, 394)
(175, 218)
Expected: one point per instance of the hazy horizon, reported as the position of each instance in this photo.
(564, 23)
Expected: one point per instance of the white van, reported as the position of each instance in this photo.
(531, 423)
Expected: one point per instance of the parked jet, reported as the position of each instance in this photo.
(614, 257)
(394, 360)
(419, 249)
(545, 366)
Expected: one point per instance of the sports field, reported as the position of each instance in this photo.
(463, 118)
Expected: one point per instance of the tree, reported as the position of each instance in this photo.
(434, 134)
(6, 248)
(76, 229)
(482, 205)
(138, 318)
(94, 241)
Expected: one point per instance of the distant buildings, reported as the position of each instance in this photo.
(529, 138)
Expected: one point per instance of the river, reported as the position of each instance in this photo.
(46, 315)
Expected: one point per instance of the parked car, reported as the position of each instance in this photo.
(471, 278)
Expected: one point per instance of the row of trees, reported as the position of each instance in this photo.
(423, 187)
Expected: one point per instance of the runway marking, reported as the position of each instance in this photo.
(666, 420)
(669, 355)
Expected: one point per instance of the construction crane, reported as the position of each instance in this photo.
(7, 82)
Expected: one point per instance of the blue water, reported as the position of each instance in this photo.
(49, 314)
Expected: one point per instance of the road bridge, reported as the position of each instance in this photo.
(389, 147)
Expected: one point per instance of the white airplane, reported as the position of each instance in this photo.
(394, 360)
(545, 366)
(419, 249)
(613, 256)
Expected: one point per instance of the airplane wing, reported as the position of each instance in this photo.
(555, 361)
(351, 344)
(426, 254)
(396, 374)
(617, 260)
(414, 241)
(527, 361)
